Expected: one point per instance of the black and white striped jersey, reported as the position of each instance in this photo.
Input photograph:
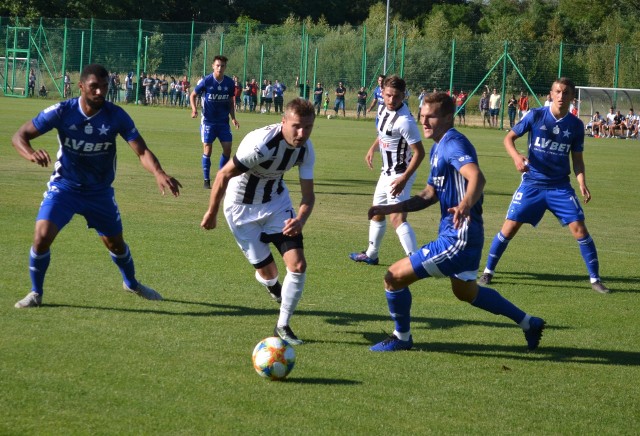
(397, 131)
(264, 156)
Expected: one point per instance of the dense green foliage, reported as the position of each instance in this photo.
(574, 21)
(95, 360)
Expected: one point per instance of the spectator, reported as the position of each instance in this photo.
(495, 103)
(278, 97)
(43, 91)
(326, 102)
(523, 105)
(317, 97)
(630, 123)
(246, 96)
(254, 95)
(484, 110)
(268, 96)
(616, 123)
(596, 123)
(512, 109)
(362, 103)
(339, 103)
(460, 107)
(128, 87)
(32, 84)
(148, 84)
(164, 90)
(263, 91)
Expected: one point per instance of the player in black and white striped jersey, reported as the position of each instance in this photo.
(400, 146)
(258, 207)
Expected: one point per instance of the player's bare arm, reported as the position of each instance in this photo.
(368, 158)
(151, 163)
(22, 143)
(520, 161)
(579, 170)
(423, 200)
(192, 101)
(229, 171)
(475, 185)
(293, 227)
(418, 155)
(232, 112)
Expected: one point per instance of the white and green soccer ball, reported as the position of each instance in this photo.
(273, 358)
(329, 116)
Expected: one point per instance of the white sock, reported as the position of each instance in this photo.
(265, 282)
(488, 271)
(407, 238)
(292, 287)
(525, 323)
(402, 336)
(376, 233)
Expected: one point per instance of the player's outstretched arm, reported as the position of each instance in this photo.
(475, 185)
(226, 173)
(150, 162)
(423, 200)
(22, 143)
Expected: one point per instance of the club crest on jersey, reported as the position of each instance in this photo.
(88, 129)
(556, 130)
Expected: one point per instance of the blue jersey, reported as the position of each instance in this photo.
(87, 154)
(216, 99)
(550, 142)
(377, 94)
(447, 157)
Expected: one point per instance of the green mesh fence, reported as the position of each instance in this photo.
(314, 52)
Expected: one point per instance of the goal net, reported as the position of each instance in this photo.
(592, 99)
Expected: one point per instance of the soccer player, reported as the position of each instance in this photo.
(455, 181)
(258, 207)
(81, 181)
(554, 136)
(217, 106)
(377, 101)
(402, 151)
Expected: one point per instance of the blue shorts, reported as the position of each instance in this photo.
(99, 208)
(209, 133)
(445, 258)
(494, 112)
(529, 203)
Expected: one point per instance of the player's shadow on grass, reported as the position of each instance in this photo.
(551, 354)
(579, 281)
(519, 352)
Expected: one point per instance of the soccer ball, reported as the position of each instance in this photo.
(329, 116)
(273, 358)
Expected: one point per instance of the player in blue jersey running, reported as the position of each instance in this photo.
(218, 105)
(555, 135)
(455, 181)
(81, 181)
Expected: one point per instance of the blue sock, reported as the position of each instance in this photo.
(491, 301)
(399, 303)
(127, 268)
(223, 160)
(499, 244)
(38, 264)
(206, 166)
(590, 256)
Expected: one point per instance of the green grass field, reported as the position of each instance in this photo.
(96, 360)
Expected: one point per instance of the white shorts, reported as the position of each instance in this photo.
(249, 221)
(383, 196)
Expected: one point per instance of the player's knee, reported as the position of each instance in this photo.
(392, 281)
(299, 266)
